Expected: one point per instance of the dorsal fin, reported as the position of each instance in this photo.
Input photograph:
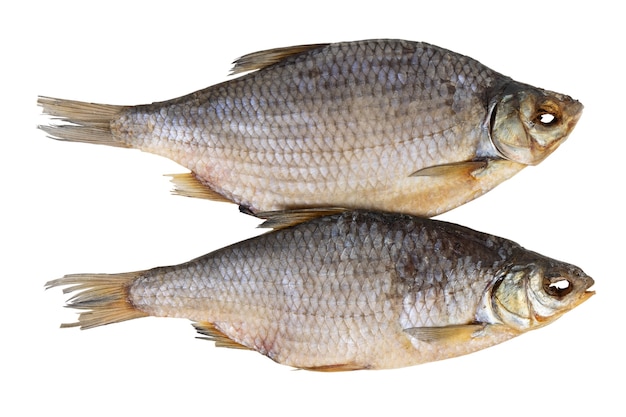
(262, 59)
(287, 218)
(214, 335)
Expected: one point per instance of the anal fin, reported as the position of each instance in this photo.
(210, 332)
(188, 185)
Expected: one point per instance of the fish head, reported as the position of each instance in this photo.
(527, 124)
(533, 294)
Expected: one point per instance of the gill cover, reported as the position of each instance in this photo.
(528, 123)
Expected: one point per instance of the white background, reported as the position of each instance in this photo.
(69, 208)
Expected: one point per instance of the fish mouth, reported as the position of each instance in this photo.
(542, 321)
(587, 294)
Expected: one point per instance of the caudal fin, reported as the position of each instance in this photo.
(87, 122)
(103, 296)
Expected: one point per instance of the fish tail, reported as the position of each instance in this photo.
(104, 297)
(88, 122)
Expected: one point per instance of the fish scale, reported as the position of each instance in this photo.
(351, 290)
(356, 118)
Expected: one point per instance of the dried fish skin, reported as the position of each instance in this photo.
(352, 290)
(527, 126)
(362, 125)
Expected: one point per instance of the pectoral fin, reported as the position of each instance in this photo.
(472, 168)
(214, 335)
(262, 59)
(457, 333)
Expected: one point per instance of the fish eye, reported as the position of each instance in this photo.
(546, 118)
(547, 113)
(558, 287)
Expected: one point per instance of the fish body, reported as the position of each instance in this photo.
(387, 125)
(353, 290)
